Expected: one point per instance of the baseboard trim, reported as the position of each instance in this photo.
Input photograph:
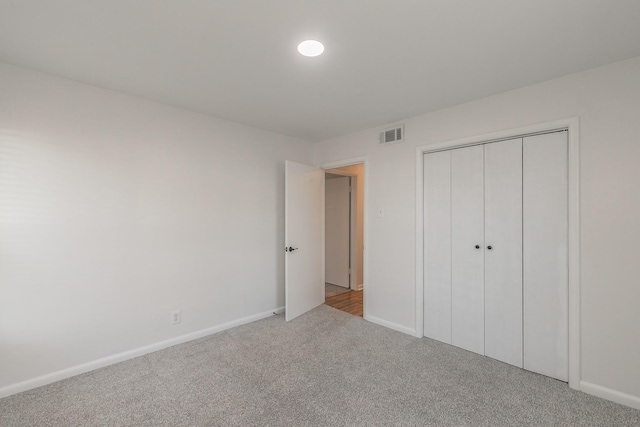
(610, 394)
(390, 325)
(130, 354)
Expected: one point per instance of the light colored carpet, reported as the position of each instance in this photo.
(325, 368)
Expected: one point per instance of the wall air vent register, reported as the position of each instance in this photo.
(393, 135)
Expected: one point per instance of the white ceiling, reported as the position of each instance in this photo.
(384, 60)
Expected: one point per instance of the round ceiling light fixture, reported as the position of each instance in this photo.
(311, 48)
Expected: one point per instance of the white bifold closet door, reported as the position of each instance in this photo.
(437, 246)
(495, 248)
(467, 255)
(545, 257)
(503, 251)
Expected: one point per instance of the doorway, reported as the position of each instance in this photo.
(344, 229)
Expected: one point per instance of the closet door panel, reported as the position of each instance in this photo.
(545, 186)
(437, 246)
(503, 251)
(467, 262)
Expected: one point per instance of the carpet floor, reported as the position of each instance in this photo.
(325, 368)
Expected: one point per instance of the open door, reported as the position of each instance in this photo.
(304, 238)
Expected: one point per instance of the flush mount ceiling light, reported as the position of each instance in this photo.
(311, 48)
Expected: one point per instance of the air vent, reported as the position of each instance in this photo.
(395, 134)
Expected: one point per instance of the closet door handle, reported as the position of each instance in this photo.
(477, 246)
(489, 247)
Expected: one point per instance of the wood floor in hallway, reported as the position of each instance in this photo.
(350, 302)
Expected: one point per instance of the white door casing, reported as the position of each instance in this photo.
(304, 238)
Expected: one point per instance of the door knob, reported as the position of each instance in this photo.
(477, 246)
(489, 247)
(290, 249)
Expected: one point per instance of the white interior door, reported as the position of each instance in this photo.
(337, 231)
(546, 321)
(503, 251)
(304, 238)
(437, 246)
(467, 254)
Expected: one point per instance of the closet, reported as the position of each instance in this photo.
(495, 250)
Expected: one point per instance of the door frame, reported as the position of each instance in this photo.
(573, 126)
(364, 160)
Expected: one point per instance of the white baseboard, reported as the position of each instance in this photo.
(610, 394)
(120, 357)
(390, 325)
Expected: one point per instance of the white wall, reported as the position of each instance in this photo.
(607, 100)
(115, 211)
